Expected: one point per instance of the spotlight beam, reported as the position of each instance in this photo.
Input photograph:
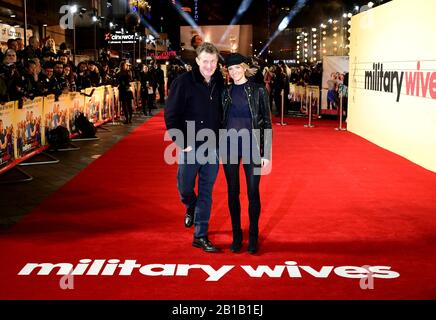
(245, 4)
(150, 27)
(284, 23)
(188, 18)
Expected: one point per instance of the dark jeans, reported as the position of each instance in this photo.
(127, 109)
(233, 186)
(147, 102)
(186, 177)
(161, 90)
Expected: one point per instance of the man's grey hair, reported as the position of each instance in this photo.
(207, 47)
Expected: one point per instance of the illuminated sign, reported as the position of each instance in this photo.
(196, 10)
(163, 55)
(121, 37)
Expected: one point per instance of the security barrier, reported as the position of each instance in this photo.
(24, 129)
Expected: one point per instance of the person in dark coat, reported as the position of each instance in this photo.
(247, 119)
(125, 93)
(194, 104)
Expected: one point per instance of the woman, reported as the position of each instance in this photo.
(246, 111)
(147, 93)
(125, 93)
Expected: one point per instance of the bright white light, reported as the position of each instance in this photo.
(94, 18)
(111, 25)
(370, 4)
(284, 23)
(356, 8)
(313, 29)
(350, 15)
(73, 9)
(344, 15)
(138, 61)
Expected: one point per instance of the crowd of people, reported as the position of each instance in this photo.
(40, 70)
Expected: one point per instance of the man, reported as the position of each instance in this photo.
(188, 55)
(196, 41)
(29, 86)
(195, 98)
(32, 50)
(9, 76)
(160, 80)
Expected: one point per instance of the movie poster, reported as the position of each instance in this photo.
(55, 113)
(134, 92)
(107, 102)
(335, 71)
(92, 105)
(7, 135)
(76, 105)
(117, 113)
(28, 128)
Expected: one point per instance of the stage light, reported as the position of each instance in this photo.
(350, 15)
(284, 23)
(73, 9)
(245, 4)
(370, 4)
(185, 16)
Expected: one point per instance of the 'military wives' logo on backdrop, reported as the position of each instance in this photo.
(418, 83)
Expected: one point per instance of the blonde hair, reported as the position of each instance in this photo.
(249, 72)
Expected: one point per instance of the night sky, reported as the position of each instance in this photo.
(211, 12)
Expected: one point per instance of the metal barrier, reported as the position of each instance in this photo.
(341, 108)
(281, 123)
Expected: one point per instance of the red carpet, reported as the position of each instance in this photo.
(332, 199)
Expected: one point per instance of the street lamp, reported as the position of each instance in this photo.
(95, 21)
(73, 10)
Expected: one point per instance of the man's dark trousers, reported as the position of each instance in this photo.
(186, 176)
